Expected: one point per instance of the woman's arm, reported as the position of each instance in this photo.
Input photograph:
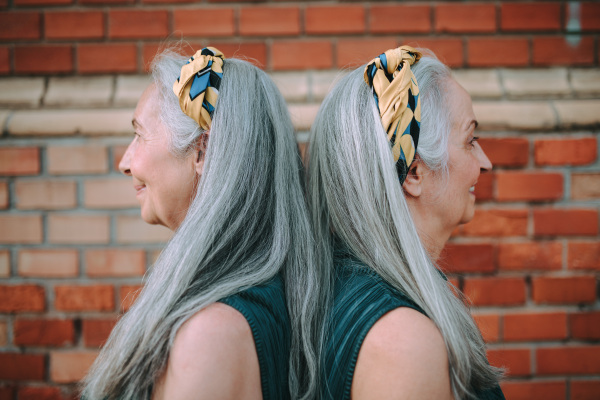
(213, 357)
(402, 357)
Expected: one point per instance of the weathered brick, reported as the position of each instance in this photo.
(44, 332)
(292, 85)
(71, 122)
(267, 21)
(19, 161)
(79, 92)
(586, 82)
(565, 222)
(585, 325)
(564, 290)
(96, 331)
(584, 255)
(355, 52)
(538, 16)
(516, 361)
(398, 18)
(526, 186)
(129, 89)
(72, 160)
(467, 258)
(571, 360)
(75, 229)
(534, 327)
(21, 228)
(336, 19)
(506, 152)
(115, 262)
(107, 58)
(19, 25)
(137, 24)
(290, 55)
(4, 263)
(253, 52)
(4, 195)
(527, 390)
(530, 256)
(21, 367)
(45, 194)
(21, 92)
(513, 115)
(534, 82)
(48, 263)
(21, 298)
(573, 151)
(577, 113)
(74, 25)
(323, 82)
(448, 50)
(584, 389)
(497, 222)
(57, 59)
(109, 193)
(3, 336)
(70, 367)
(468, 18)
(135, 230)
(489, 325)
(215, 22)
(495, 291)
(491, 52)
(40, 393)
(84, 298)
(560, 51)
(480, 83)
(303, 115)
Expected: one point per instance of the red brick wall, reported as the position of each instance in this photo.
(73, 249)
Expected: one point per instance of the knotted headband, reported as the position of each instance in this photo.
(198, 85)
(396, 94)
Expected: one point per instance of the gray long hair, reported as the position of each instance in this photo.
(355, 197)
(247, 222)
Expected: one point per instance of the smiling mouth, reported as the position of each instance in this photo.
(139, 188)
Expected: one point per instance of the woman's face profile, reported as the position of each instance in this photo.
(164, 183)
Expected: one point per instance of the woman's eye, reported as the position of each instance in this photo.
(473, 140)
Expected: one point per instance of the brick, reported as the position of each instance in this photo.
(137, 24)
(129, 89)
(529, 256)
(559, 51)
(135, 230)
(527, 390)
(78, 229)
(467, 258)
(114, 262)
(103, 2)
(57, 59)
(70, 367)
(516, 361)
(514, 115)
(96, 331)
(74, 25)
(572, 360)
(484, 190)
(564, 290)
(7, 392)
(84, 298)
(565, 222)
(580, 151)
(19, 161)
(292, 85)
(585, 325)
(448, 50)
(590, 16)
(584, 255)
(586, 82)
(492, 52)
(541, 16)
(356, 52)
(289, 55)
(495, 291)
(118, 153)
(79, 92)
(128, 294)
(334, 19)
(534, 82)
(74, 160)
(269, 21)
(21, 367)
(107, 58)
(45, 194)
(584, 389)
(48, 263)
(21, 92)
(529, 186)
(506, 152)
(534, 327)
(71, 122)
(465, 18)
(21, 229)
(42, 2)
(4, 195)
(4, 263)
(4, 60)
(44, 332)
(323, 81)
(215, 22)
(20, 298)
(40, 393)
(577, 113)
(489, 325)
(253, 52)
(109, 193)
(19, 25)
(303, 115)
(480, 83)
(400, 19)
(3, 337)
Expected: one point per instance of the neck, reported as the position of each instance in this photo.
(432, 234)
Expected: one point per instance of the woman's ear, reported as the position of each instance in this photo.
(200, 149)
(413, 184)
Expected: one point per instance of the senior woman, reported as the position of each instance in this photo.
(214, 159)
(393, 161)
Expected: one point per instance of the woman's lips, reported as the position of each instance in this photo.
(139, 188)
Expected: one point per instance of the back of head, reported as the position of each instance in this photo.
(247, 223)
(357, 201)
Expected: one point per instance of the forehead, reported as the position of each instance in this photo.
(460, 105)
(146, 112)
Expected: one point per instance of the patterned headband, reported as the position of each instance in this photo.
(198, 85)
(396, 95)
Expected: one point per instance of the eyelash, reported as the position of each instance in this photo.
(472, 142)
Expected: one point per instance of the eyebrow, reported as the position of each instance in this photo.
(473, 121)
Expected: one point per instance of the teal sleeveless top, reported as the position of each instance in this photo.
(264, 308)
(361, 297)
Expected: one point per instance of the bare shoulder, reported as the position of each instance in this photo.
(213, 356)
(402, 357)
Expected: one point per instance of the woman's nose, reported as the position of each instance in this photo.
(124, 164)
(484, 162)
